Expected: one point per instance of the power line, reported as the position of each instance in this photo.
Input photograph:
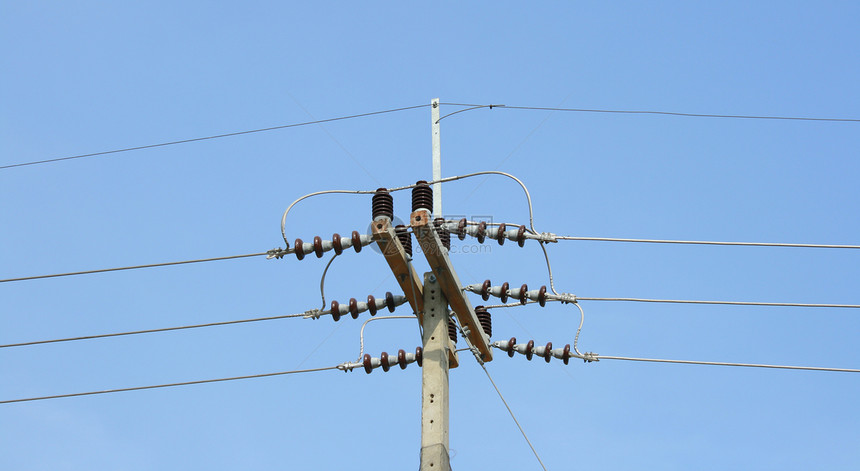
(710, 242)
(169, 385)
(393, 110)
(150, 331)
(216, 136)
(571, 298)
(477, 356)
(512, 414)
(719, 363)
(732, 303)
(673, 113)
(134, 267)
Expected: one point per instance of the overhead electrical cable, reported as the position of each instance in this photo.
(480, 361)
(710, 242)
(406, 187)
(529, 442)
(219, 136)
(674, 113)
(150, 331)
(393, 110)
(135, 267)
(572, 298)
(169, 385)
(731, 303)
(719, 363)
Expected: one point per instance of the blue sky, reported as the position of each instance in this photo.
(95, 76)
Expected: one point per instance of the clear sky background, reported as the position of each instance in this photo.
(81, 77)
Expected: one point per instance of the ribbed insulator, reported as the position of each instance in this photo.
(443, 232)
(485, 319)
(422, 196)
(405, 238)
(452, 331)
(383, 204)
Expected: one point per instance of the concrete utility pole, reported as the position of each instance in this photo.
(434, 379)
(430, 302)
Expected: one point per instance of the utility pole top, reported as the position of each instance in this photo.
(437, 158)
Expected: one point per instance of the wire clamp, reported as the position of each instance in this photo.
(589, 357)
(313, 314)
(566, 298)
(348, 366)
(547, 237)
(277, 252)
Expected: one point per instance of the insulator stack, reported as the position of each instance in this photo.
(485, 319)
(546, 352)
(382, 204)
(523, 294)
(405, 238)
(385, 361)
(452, 331)
(422, 197)
(355, 307)
(338, 244)
(482, 231)
(444, 234)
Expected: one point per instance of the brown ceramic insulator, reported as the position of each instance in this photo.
(318, 248)
(389, 301)
(542, 296)
(419, 356)
(523, 290)
(485, 319)
(298, 246)
(371, 304)
(405, 238)
(452, 331)
(356, 241)
(444, 235)
(500, 235)
(485, 290)
(482, 232)
(422, 196)
(521, 236)
(565, 355)
(368, 366)
(335, 243)
(511, 343)
(461, 229)
(547, 354)
(353, 308)
(335, 311)
(530, 347)
(382, 204)
(383, 358)
(504, 294)
(401, 359)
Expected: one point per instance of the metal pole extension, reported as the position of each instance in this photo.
(434, 379)
(437, 159)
